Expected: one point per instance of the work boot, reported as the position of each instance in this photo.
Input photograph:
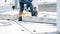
(20, 18)
(33, 15)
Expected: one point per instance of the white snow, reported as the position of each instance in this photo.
(14, 28)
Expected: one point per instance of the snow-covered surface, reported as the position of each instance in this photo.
(40, 14)
(49, 17)
(11, 28)
(15, 27)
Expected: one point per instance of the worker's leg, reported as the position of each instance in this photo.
(30, 5)
(27, 6)
(31, 9)
(21, 11)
